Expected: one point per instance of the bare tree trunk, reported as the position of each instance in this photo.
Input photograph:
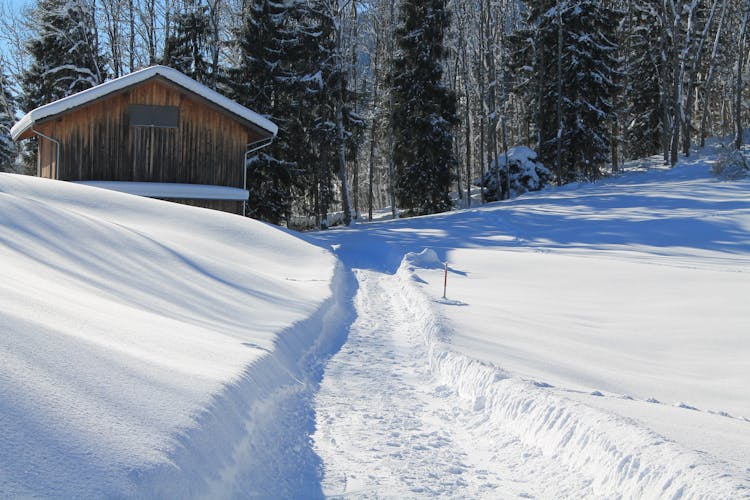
(151, 30)
(676, 103)
(680, 58)
(324, 188)
(738, 86)
(697, 57)
(340, 139)
(112, 10)
(131, 40)
(467, 123)
(459, 187)
(504, 116)
(558, 149)
(664, 103)
(353, 78)
(391, 163)
(709, 78)
(483, 111)
(373, 125)
(376, 33)
(214, 9)
(491, 98)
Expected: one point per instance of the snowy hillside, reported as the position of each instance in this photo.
(594, 342)
(601, 331)
(138, 336)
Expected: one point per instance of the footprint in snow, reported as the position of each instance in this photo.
(687, 407)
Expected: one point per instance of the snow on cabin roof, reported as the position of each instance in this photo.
(106, 88)
(172, 190)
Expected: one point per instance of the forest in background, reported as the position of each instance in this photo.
(407, 104)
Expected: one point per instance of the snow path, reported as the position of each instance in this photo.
(400, 414)
(385, 425)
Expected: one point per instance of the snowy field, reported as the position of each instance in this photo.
(603, 326)
(593, 343)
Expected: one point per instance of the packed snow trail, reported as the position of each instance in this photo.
(400, 414)
(387, 426)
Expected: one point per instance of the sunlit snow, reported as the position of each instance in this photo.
(592, 341)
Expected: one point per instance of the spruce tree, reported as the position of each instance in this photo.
(336, 129)
(644, 132)
(8, 151)
(323, 75)
(574, 68)
(264, 80)
(290, 73)
(186, 49)
(591, 69)
(64, 52)
(64, 58)
(424, 111)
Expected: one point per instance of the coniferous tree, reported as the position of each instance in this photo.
(65, 58)
(186, 49)
(336, 127)
(574, 68)
(265, 80)
(324, 75)
(424, 111)
(644, 132)
(590, 72)
(8, 151)
(64, 52)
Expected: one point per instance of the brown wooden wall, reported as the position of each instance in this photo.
(98, 143)
(233, 207)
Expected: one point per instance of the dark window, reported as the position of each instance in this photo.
(142, 115)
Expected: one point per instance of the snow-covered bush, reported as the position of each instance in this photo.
(730, 165)
(526, 174)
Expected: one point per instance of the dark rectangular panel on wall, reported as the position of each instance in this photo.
(143, 115)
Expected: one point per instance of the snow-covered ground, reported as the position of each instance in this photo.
(603, 326)
(594, 342)
(141, 341)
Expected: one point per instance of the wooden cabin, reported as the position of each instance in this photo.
(154, 132)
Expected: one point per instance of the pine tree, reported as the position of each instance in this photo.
(424, 111)
(336, 128)
(65, 58)
(324, 75)
(265, 81)
(8, 151)
(644, 105)
(64, 52)
(574, 69)
(591, 68)
(186, 49)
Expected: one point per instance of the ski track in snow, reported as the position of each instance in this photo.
(386, 426)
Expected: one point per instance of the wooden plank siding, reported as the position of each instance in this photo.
(98, 143)
(234, 207)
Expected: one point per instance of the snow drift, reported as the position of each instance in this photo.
(141, 340)
(618, 455)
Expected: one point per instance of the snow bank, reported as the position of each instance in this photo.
(142, 339)
(615, 452)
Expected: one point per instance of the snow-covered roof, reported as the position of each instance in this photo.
(123, 82)
(172, 190)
